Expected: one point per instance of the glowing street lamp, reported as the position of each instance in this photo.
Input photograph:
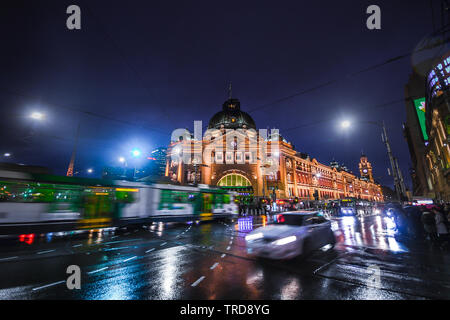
(7, 154)
(136, 152)
(39, 116)
(122, 160)
(345, 124)
(90, 170)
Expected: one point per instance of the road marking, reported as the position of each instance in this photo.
(214, 266)
(163, 244)
(116, 248)
(126, 260)
(49, 285)
(129, 240)
(230, 242)
(98, 270)
(198, 281)
(77, 245)
(150, 250)
(223, 256)
(228, 248)
(47, 251)
(10, 258)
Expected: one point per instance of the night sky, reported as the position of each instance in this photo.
(139, 69)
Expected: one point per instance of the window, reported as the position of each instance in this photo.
(234, 180)
(229, 157)
(219, 157)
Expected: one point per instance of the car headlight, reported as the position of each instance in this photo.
(286, 240)
(254, 236)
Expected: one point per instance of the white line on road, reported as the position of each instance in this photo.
(150, 250)
(214, 266)
(98, 270)
(228, 248)
(46, 251)
(126, 260)
(223, 256)
(230, 242)
(163, 244)
(49, 285)
(10, 258)
(198, 281)
(77, 245)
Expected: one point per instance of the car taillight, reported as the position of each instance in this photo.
(27, 238)
(280, 218)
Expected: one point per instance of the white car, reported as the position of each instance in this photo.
(292, 234)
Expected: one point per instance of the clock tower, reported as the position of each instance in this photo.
(365, 168)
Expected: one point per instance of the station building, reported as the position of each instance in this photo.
(246, 161)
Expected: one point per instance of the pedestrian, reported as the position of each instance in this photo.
(429, 224)
(441, 227)
(415, 221)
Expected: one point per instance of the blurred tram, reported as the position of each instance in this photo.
(354, 207)
(39, 203)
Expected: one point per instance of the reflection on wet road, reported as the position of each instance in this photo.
(209, 261)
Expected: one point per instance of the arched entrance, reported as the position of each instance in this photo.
(236, 182)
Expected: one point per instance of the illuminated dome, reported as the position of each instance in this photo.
(231, 117)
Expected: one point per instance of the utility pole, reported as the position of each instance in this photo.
(395, 171)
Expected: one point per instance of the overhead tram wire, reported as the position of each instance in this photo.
(353, 74)
(334, 119)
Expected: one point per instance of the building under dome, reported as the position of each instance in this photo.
(231, 117)
(244, 168)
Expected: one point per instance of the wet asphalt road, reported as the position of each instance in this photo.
(209, 261)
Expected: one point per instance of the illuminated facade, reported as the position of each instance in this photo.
(437, 152)
(239, 162)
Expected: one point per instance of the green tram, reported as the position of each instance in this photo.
(31, 203)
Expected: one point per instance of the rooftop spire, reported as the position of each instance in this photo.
(230, 90)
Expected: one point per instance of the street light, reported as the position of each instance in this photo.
(345, 124)
(7, 154)
(90, 170)
(136, 153)
(37, 116)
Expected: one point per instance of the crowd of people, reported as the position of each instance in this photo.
(266, 206)
(430, 222)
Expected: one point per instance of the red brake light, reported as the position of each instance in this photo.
(280, 218)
